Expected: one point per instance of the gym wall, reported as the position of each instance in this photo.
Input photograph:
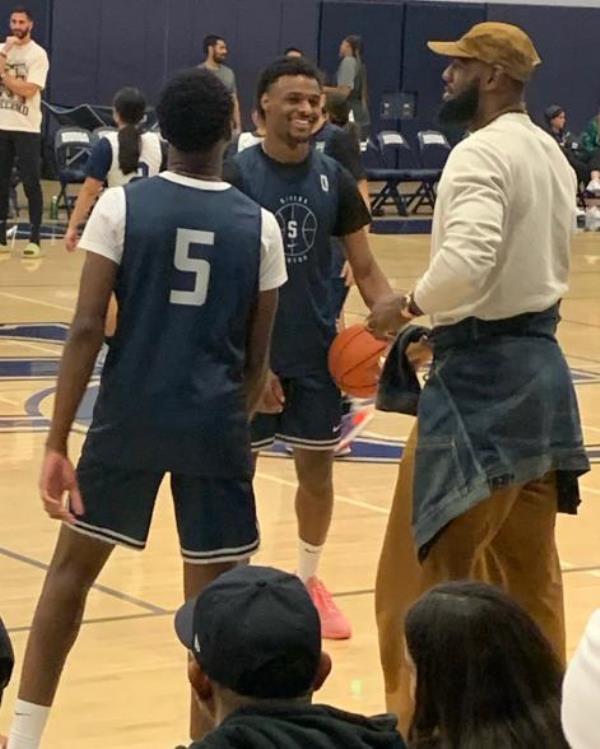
(97, 46)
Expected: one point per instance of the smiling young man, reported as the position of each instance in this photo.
(499, 444)
(23, 73)
(314, 199)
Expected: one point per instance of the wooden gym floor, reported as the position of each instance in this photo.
(125, 685)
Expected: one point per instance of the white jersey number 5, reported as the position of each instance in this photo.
(200, 268)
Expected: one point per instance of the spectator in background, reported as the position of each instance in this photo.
(256, 682)
(215, 49)
(351, 80)
(7, 662)
(338, 138)
(293, 52)
(117, 158)
(23, 73)
(556, 121)
(484, 676)
(590, 142)
(581, 691)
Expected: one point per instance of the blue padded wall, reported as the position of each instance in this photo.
(380, 26)
(75, 52)
(96, 46)
(300, 21)
(567, 40)
(422, 70)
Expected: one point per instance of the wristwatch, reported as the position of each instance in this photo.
(409, 308)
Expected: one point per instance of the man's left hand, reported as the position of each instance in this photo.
(386, 317)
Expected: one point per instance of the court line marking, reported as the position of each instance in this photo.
(37, 347)
(10, 402)
(97, 586)
(589, 569)
(40, 302)
(338, 497)
(102, 620)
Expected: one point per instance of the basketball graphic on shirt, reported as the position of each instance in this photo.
(298, 226)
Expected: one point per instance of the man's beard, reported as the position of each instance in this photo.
(460, 109)
(20, 34)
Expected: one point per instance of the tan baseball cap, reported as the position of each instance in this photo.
(497, 44)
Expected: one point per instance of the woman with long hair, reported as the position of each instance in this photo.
(117, 158)
(484, 675)
(351, 81)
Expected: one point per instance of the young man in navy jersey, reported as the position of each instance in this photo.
(195, 266)
(314, 199)
(343, 145)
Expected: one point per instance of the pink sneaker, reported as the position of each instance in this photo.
(353, 424)
(334, 625)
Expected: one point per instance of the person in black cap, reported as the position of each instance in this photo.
(255, 641)
(556, 120)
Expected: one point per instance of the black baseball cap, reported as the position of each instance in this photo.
(7, 659)
(553, 111)
(255, 631)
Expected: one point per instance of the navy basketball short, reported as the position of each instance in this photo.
(216, 517)
(310, 419)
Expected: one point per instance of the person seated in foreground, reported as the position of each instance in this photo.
(484, 675)
(254, 638)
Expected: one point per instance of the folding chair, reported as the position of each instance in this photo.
(72, 148)
(377, 171)
(99, 132)
(399, 165)
(434, 149)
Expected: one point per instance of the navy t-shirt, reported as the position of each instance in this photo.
(342, 146)
(313, 201)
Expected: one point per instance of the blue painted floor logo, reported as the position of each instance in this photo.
(36, 405)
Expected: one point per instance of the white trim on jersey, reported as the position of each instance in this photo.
(151, 157)
(247, 140)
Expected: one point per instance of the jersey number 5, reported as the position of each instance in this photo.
(200, 268)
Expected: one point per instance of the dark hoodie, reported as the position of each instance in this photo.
(302, 727)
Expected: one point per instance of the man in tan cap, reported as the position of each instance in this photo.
(499, 444)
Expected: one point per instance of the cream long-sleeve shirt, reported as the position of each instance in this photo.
(502, 227)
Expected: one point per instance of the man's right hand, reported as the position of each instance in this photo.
(273, 398)
(57, 478)
(9, 44)
(71, 241)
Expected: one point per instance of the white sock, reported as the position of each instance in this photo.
(28, 725)
(308, 560)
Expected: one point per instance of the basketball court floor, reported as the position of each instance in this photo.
(125, 683)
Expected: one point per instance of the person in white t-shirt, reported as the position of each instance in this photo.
(117, 158)
(23, 73)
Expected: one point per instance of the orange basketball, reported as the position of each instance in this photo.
(355, 361)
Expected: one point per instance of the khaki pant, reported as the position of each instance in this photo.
(507, 540)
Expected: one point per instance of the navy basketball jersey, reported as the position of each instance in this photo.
(312, 201)
(324, 136)
(172, 389)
